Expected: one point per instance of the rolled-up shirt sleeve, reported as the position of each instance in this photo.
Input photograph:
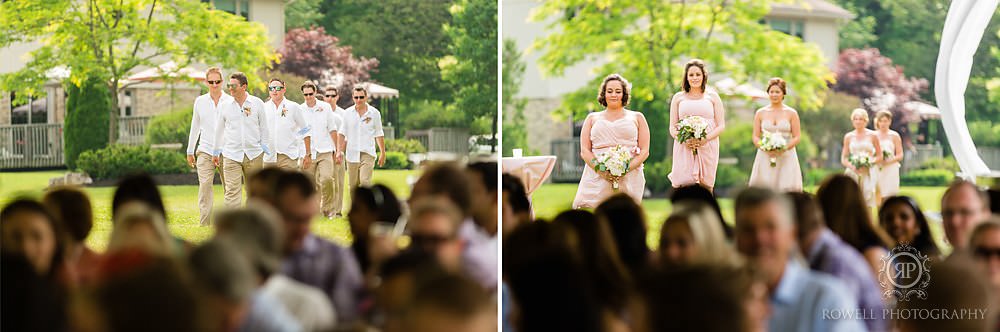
(195, 129)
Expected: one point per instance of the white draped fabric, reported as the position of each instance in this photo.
(963, 30)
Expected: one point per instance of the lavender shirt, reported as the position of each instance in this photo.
(331, 268)
(831, 255)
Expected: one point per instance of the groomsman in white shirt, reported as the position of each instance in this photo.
(325, 124)
(362, 129)
(288, 129)
(206, 110)
(332, 96)
(241, 137)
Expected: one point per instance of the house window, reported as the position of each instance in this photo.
(35, 110)
(126, 103)
(790, 27)
(235, 7)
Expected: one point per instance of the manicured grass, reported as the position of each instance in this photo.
(553, 198)
(182, 205)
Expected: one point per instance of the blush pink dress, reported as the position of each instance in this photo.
(786, 174)
(605, 135)
(688, 168)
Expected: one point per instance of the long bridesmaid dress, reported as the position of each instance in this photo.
(888, 176)
(867, 180)
(605, 135)
(687, 167)
(786, 174)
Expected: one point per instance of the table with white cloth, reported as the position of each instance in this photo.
(533, 171)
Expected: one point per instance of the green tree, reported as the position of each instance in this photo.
(649, 41)
(472, 66)
(86, 119)
(514, 133)
(303, 14)
(107, 39)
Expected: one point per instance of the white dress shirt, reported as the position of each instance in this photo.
(206, 111)
(361, 131)
(322, 120)
(288, 130)
(239, 134)
(307, 304)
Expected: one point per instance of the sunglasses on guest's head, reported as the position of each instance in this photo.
(213, 82)
(308, 94)
(275, 88)
(986, 252)
(359, 97)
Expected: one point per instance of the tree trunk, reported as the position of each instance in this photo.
(113, 126)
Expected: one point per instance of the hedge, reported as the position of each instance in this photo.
(87, 119)
(927, 177)
(171, 127)
(120, 160)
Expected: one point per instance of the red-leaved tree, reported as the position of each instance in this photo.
(313, 54)
(880, 85)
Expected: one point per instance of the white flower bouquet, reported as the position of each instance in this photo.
(773, 141)
(614, 161)
(692, 127)
(861, 160)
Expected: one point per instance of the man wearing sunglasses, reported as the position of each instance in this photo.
(362, 129)
(206, 110)
(332, 96)
(288, 128)
(241, 137)
(325, 124)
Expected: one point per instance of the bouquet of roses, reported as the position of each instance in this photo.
(861, 160)
(773, 142)
(692, 127)
(614, 161)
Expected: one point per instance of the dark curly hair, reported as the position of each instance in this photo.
(604, 86)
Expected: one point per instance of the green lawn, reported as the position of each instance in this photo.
(182, 205)
(553, 198)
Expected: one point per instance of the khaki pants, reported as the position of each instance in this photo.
(322, 170)
(206, 178)
(338, 186)
(287, 163)
(360, 174)
(234, 176)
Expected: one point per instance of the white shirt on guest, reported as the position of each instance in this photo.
(361, 131)
(288, 130)
(206, 111)
(238, 134)
(322, 120)
(305, 303)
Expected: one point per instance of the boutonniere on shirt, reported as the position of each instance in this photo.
(283, 111)
(246, 110)
(367, 119)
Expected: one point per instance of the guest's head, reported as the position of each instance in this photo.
(370, 205)
(691, 234)
(957, 285)
(847, 215)
(628, 228)
(434, 224)
(145, 292)
(695, 75)
(765, 230)
(138, 187)
(257, 233)
(483, 190)
(984, 245)
(615, 91)
(451, 303)
(599, 254)
(29, 230)
(296, 202)
(444, 180)
(261, 184)
(224, 281)
(71, 207)
(139, 226)
(808, 219)
(963, 206)
(400, 277)
(516, 198)
(699, 193)
(900, 216)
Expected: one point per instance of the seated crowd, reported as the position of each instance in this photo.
(789, 262)
(425, 264)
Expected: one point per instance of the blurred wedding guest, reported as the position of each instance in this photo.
(450, 182)
(984, 245)
(702, 194)
(765, 235)
(256, 232)
(224, 281)
(261, 184)
(848, 216)
(691, 234)
(963, 206)
(515, 197)
(72, 208)
(611, 283)
(142, 291)
(142, 188)
(313, 260)
(29, 230)
(483, 243)
(548, 284)
(451, 303)
(400, 277)
(628, 229)
(139, 226)
(826, 252)
(694, 297)
(371, 205)
(901, 217)
(434, 225)
(957, 286)
(29, 301)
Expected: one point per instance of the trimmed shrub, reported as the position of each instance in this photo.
(730, 176)
(656, 176)
(396, 160)
(927, 177)
(170, 127)
(404, 146)
(119, 160)
(946, 163)
(87, 119)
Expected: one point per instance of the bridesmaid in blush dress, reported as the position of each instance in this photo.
(862, 141)
(892, 153)
(785, 174)
(615, 126)
(687, 167)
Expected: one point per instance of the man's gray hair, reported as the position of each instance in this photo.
(218, 267)
(256, 231)
(756, 196)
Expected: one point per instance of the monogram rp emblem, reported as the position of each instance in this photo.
(904, 272)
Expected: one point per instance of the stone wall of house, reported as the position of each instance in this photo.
(542, 127)
(4, 108)
(154, 101)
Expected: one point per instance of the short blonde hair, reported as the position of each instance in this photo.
(706, 230)
(883, 114)
(214, 70)
(860, 111)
